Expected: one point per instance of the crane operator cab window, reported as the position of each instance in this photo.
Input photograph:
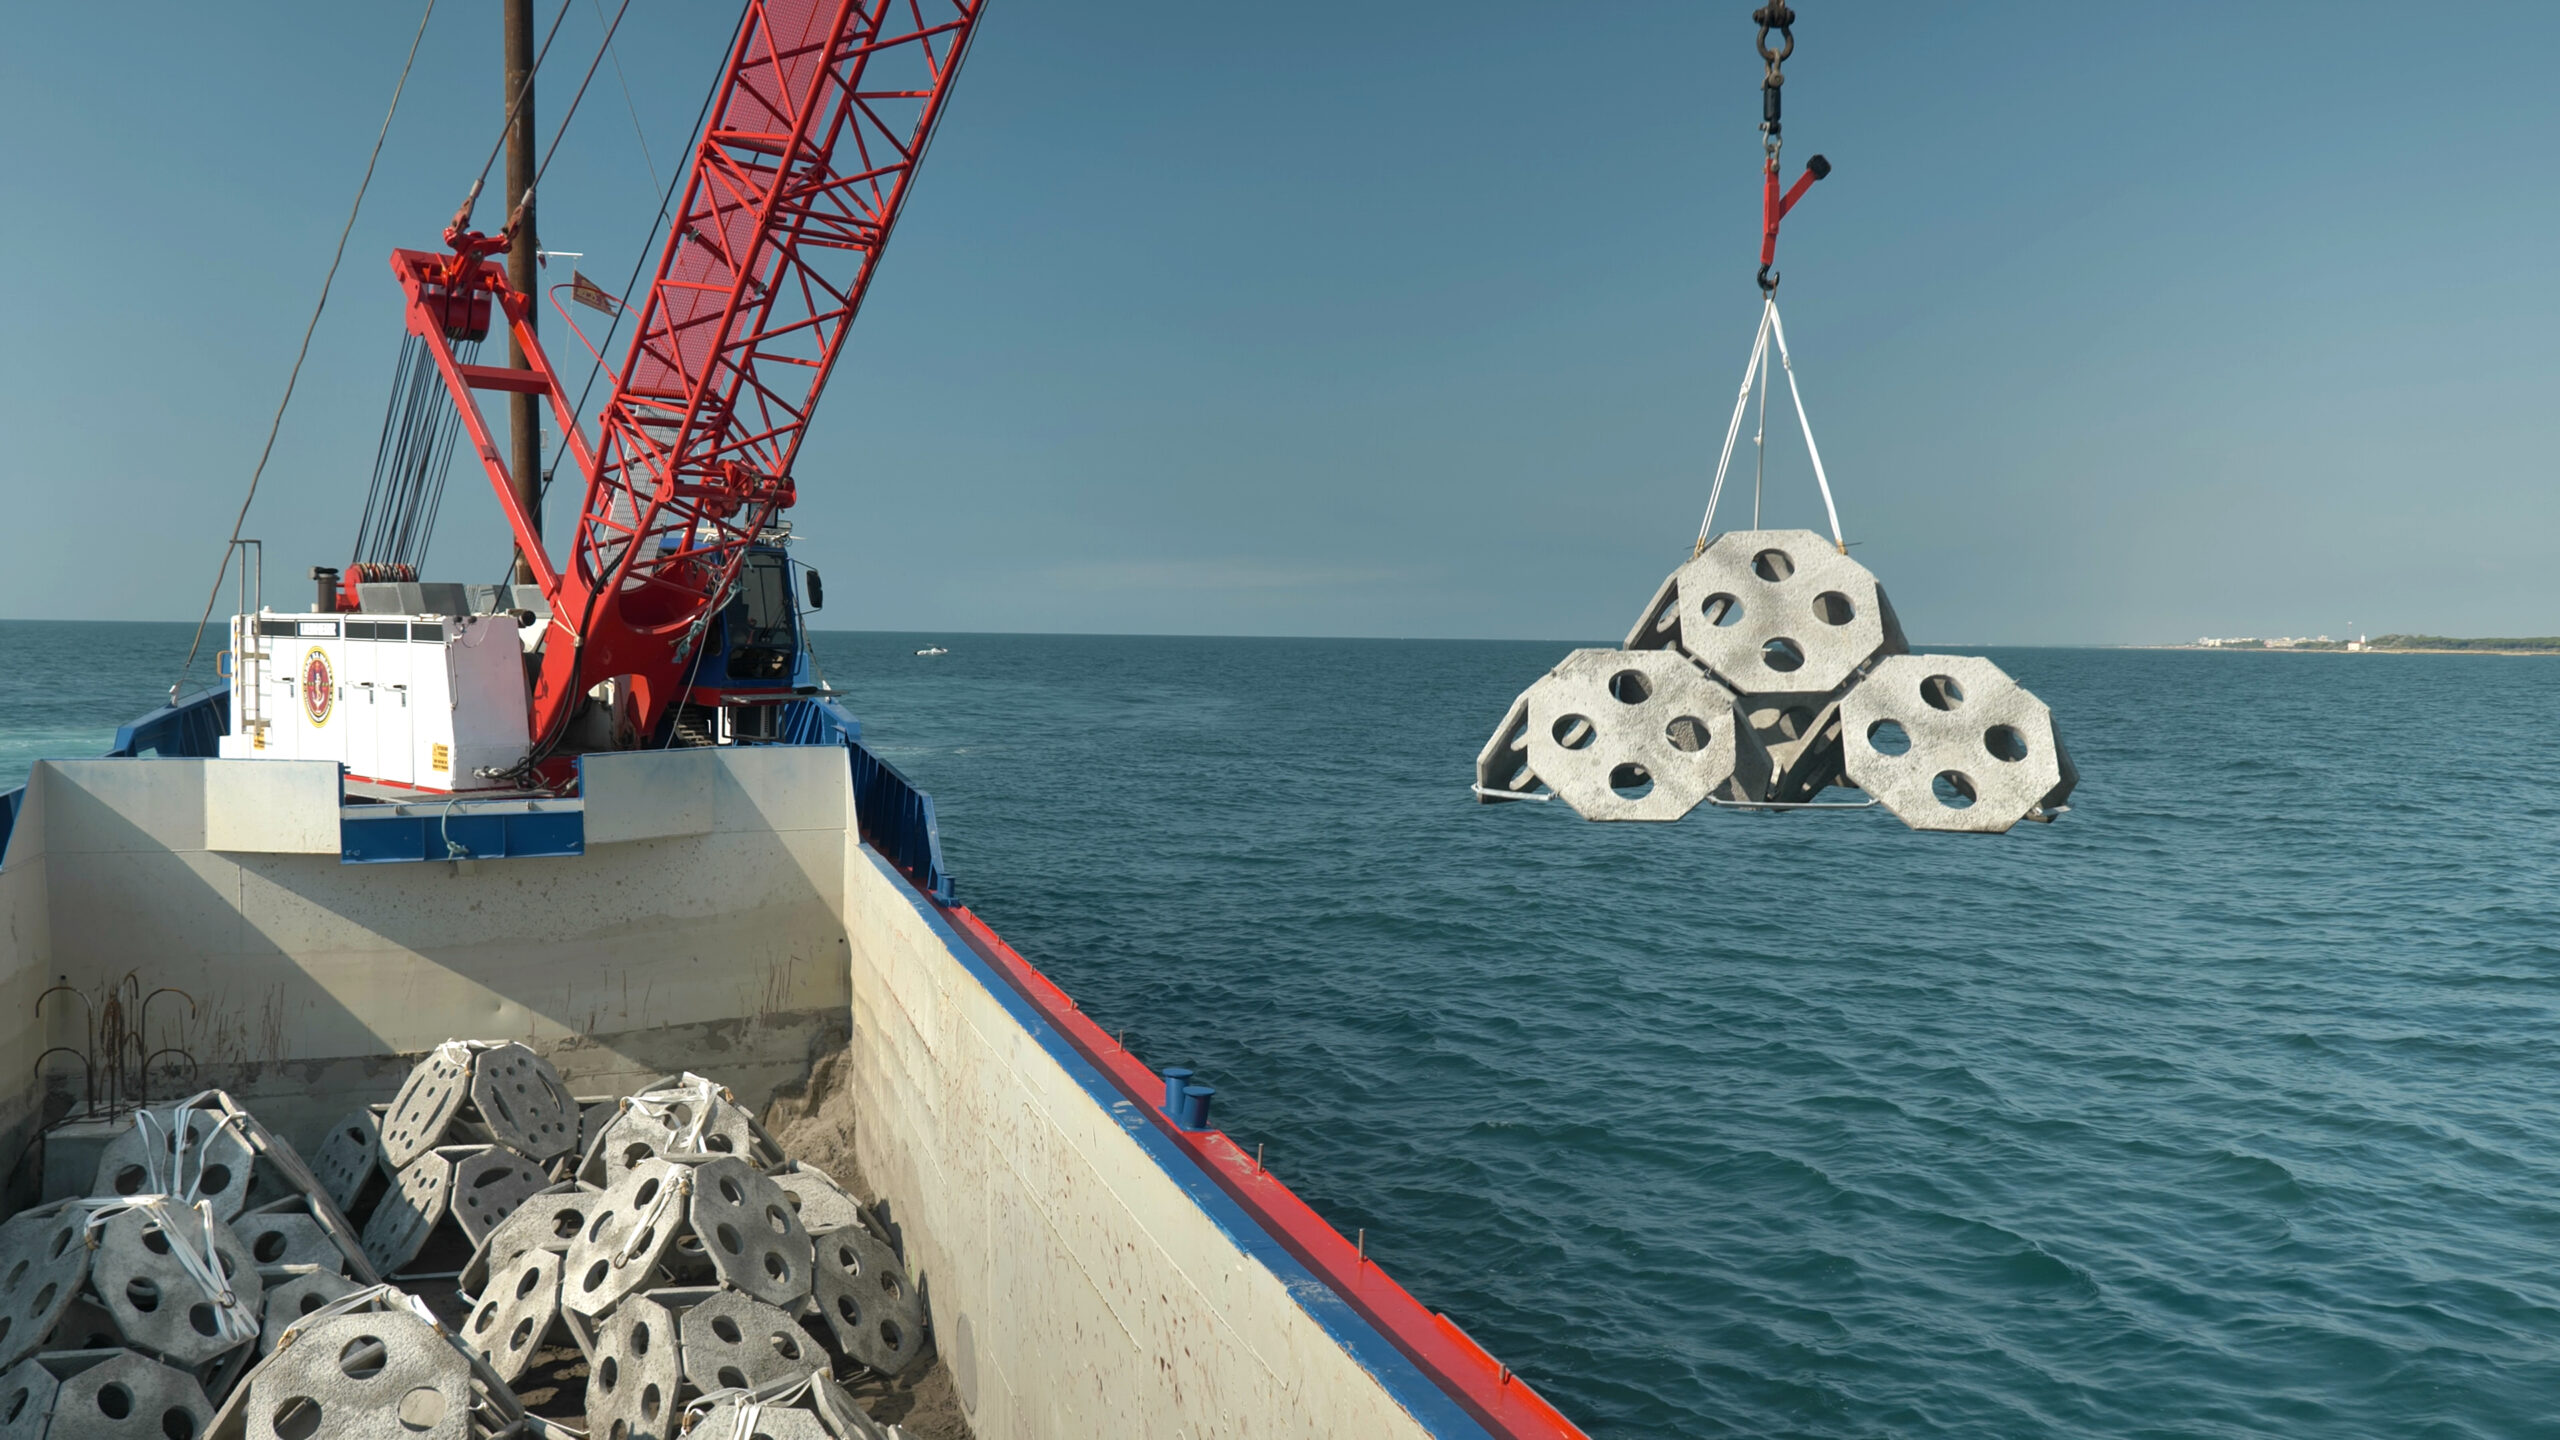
(758, 620)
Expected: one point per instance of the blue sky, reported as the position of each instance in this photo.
(2117, 323)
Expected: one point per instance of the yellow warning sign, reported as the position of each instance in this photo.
(440, 757)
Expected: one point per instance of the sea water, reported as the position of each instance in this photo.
(2228, 1105)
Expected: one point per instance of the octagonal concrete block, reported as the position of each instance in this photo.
(1950, 742)
(44, 1261)
(1637, 735)
(1773, 611)
(157, 1305)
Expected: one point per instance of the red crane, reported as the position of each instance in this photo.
(811, 146)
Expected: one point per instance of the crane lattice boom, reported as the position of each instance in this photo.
(813, 138)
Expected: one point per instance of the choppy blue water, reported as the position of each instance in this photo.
(2229, 1105)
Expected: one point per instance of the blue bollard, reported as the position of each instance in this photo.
(1174, 1079)
(1195, 1107)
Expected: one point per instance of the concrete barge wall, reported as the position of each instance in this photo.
(1083, 1277)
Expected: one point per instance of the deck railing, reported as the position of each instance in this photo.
(897, 818)
(190, 729)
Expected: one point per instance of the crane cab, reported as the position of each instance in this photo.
(754, 656)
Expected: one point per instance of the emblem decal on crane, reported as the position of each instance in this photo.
(319, 686)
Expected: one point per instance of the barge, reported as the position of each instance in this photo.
(609, 819)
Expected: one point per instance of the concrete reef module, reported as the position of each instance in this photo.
(1766, 670)
(486, 1254)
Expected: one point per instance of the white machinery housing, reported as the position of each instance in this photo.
(418, 702)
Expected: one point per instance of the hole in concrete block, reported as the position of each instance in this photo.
(892, 1336)
(298, 1418)
(129, 1180)
(778, 1218)
(155, 1240)
(1887, 737)
(648, 1192)
(363, 1357)
(421, 1409)
(640, 1338)
(566, 1223)
(177, 1424)
(268, 1247)
(1630, 687)
(200, 1318)
(2005, 743)
(1782, 655)
(1953, 788)
(1833, 608)
(142, 1293)
(732, 1378)
(1773, 565)
(1687, 733)
(608, 1373)
(213, 1180)
(486, 1317)
(114, 1401)
(1574, 732)
(650, 1400)
(1721, 610)
(1631, 781)
(729, 1238)
(523, 1334)
(784, 1345)
(1942, 692)
(725, 1328)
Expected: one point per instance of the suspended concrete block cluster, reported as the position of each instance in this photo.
(1746, 683)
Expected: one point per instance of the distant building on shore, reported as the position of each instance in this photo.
(2272, 642)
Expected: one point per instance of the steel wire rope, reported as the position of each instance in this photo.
(630, 104)
(509, 124)
(293, 377)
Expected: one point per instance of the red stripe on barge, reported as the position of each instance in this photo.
(1498, 1399)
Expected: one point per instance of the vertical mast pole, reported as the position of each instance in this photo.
(524, 412)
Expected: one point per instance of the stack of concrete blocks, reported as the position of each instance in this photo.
(373, 1365)
(1766, 670)
(134, 1310)
(688, 1259)
(477, 1128)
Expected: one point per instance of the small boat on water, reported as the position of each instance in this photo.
(935, 650)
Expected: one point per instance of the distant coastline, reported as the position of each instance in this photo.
(2379, 644)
